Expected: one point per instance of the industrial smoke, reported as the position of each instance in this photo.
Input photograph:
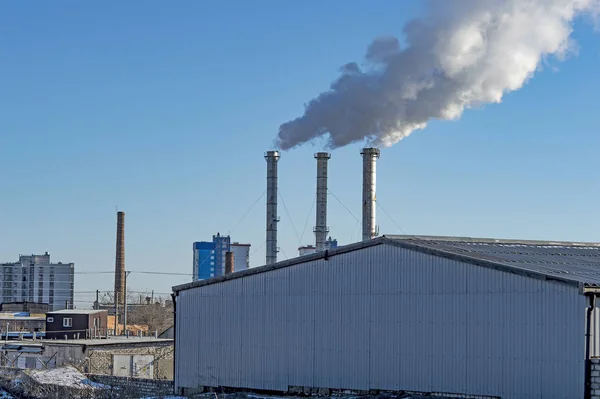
(461, 54)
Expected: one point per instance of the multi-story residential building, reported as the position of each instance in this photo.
(222, 245)
(241, 256)
(209, 257)
(204, 260)
(34, 279)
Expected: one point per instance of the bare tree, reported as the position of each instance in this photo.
(108, 298)
(157, 316)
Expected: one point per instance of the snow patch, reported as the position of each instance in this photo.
(5, 395)
(165, 397)
(64, 376)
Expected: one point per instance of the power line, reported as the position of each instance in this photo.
(288, 215)
(160, 273)
(345, 207)
(307, 219)
(388, 215)
(284, 254)
(247, 212)
(256, 250)
(97, 272)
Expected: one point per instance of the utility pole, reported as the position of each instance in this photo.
(97, 300)
(125, 303)
(116, 311)
(152, 301)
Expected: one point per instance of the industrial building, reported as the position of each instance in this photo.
(34, 279)
(494, 318)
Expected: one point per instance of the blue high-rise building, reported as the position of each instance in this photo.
(204, 260)
(209, 257)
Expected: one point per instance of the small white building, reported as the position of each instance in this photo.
(493, 318)
(241, 256)
(34, 279)
(306, 250)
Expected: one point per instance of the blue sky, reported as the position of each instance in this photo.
(166, 111)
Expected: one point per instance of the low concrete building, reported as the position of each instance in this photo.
(19, 324)
(22, 355)
(148, 358)
(33, 308)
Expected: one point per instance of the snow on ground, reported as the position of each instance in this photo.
(64, 376)
(5, 395)
(164, 397)
(242, 395)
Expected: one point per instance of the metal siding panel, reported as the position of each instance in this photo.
(385, 317)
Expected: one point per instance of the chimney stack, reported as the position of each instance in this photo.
(229, 262)
(272, 219)
(321, 229)
(120, 259)
(369, 226)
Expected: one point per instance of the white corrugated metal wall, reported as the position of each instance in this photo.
(385, 318)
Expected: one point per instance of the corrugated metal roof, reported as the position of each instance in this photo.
(572, 261)
(575, 263)
(77, 311)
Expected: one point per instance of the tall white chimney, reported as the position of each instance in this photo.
(272, 219)
(369, 221)
(321, 229)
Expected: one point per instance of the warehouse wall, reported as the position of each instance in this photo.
(384, 318)
(595, 331)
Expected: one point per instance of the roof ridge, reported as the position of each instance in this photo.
(483, 240)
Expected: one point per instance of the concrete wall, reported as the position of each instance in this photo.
(595, 387)
(22, 360)
(101, 359)
(136, 387)
(385, 318)
(98, 359)
(64, 355)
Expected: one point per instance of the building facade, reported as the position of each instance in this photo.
(331, 243)
(306, 250)
(452, 316)
(76, 324)
(222, 246)
(241, 256)
(133, 357)
(32, 308)
(311, 249)
(209, 257)
(204, 260)
(34, 279)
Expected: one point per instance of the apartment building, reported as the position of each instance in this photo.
(34, 279)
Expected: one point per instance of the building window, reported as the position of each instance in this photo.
(50, 319)
(68, 322)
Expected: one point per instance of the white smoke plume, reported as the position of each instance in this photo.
(462, 54)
